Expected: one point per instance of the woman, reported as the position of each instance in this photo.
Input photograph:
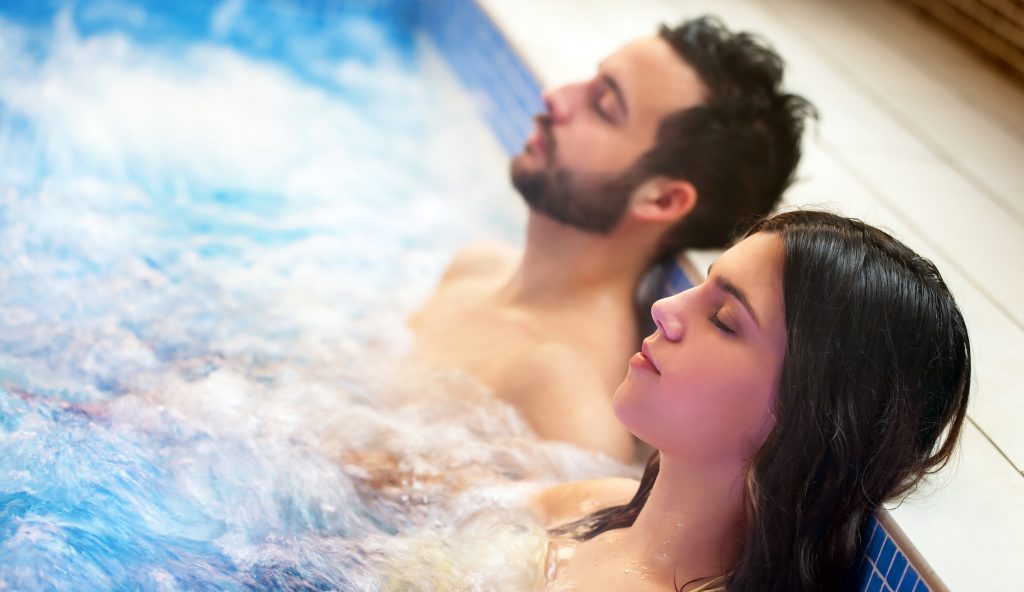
(822, 369)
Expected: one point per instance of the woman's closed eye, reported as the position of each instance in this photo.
(718, 323)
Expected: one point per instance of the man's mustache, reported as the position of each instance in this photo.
(544, 124)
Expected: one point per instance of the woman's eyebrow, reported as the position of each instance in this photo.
(731, 288)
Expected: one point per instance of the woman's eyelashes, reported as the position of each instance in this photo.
(718, 323)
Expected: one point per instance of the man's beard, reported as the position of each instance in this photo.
(595, 205)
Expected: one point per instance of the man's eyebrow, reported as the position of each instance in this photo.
(727, 286)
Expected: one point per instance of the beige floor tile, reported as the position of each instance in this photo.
(975, 545)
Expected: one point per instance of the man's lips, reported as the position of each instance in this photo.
(538, 141)
(535, 142)
(645, 351)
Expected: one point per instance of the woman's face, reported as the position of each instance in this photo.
(704, 386)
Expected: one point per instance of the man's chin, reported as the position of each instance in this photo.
(525, 175)
(525, 162)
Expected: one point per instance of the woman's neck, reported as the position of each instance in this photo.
(691, 526)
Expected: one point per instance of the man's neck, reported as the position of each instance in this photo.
(561, 264)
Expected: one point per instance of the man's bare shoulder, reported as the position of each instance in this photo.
(556, 361)
(560, 392)
(571, 501)
(480, 261)
(469, 274)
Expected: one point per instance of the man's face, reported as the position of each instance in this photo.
(578, 164)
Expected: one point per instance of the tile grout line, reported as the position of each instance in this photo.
(1019, 470)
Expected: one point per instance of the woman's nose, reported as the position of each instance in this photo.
(560, 102)
(667, 316)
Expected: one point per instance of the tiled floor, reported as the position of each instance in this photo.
(919, 136)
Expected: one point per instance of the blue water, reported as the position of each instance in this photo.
(214, 218)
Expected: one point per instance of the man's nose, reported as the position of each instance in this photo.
(667, 315)
(561, 102)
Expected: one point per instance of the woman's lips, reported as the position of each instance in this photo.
(646, 351)
(643, 360)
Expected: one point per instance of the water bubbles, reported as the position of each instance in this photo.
(209, 242)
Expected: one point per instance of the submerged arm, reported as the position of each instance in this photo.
(571, 501)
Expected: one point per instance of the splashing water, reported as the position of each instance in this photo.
(213, 222)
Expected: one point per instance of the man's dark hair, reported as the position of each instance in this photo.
(738, 148)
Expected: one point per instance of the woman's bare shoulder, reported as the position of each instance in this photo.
(571, 501)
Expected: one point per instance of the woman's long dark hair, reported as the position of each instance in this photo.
(877, 370)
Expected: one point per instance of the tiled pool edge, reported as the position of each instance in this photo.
(891, 563)
(486, 63)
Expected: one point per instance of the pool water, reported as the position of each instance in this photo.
(214, 219)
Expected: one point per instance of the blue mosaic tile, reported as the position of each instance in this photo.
(865, 574)
(874, 547)
(908, 582)
(865, 571)
(885, 557)
(487, 66)
(676, 281)
(896, 571)
(884, 562)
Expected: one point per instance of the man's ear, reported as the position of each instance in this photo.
(663, 199)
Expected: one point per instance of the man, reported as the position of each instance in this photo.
(675, 142)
